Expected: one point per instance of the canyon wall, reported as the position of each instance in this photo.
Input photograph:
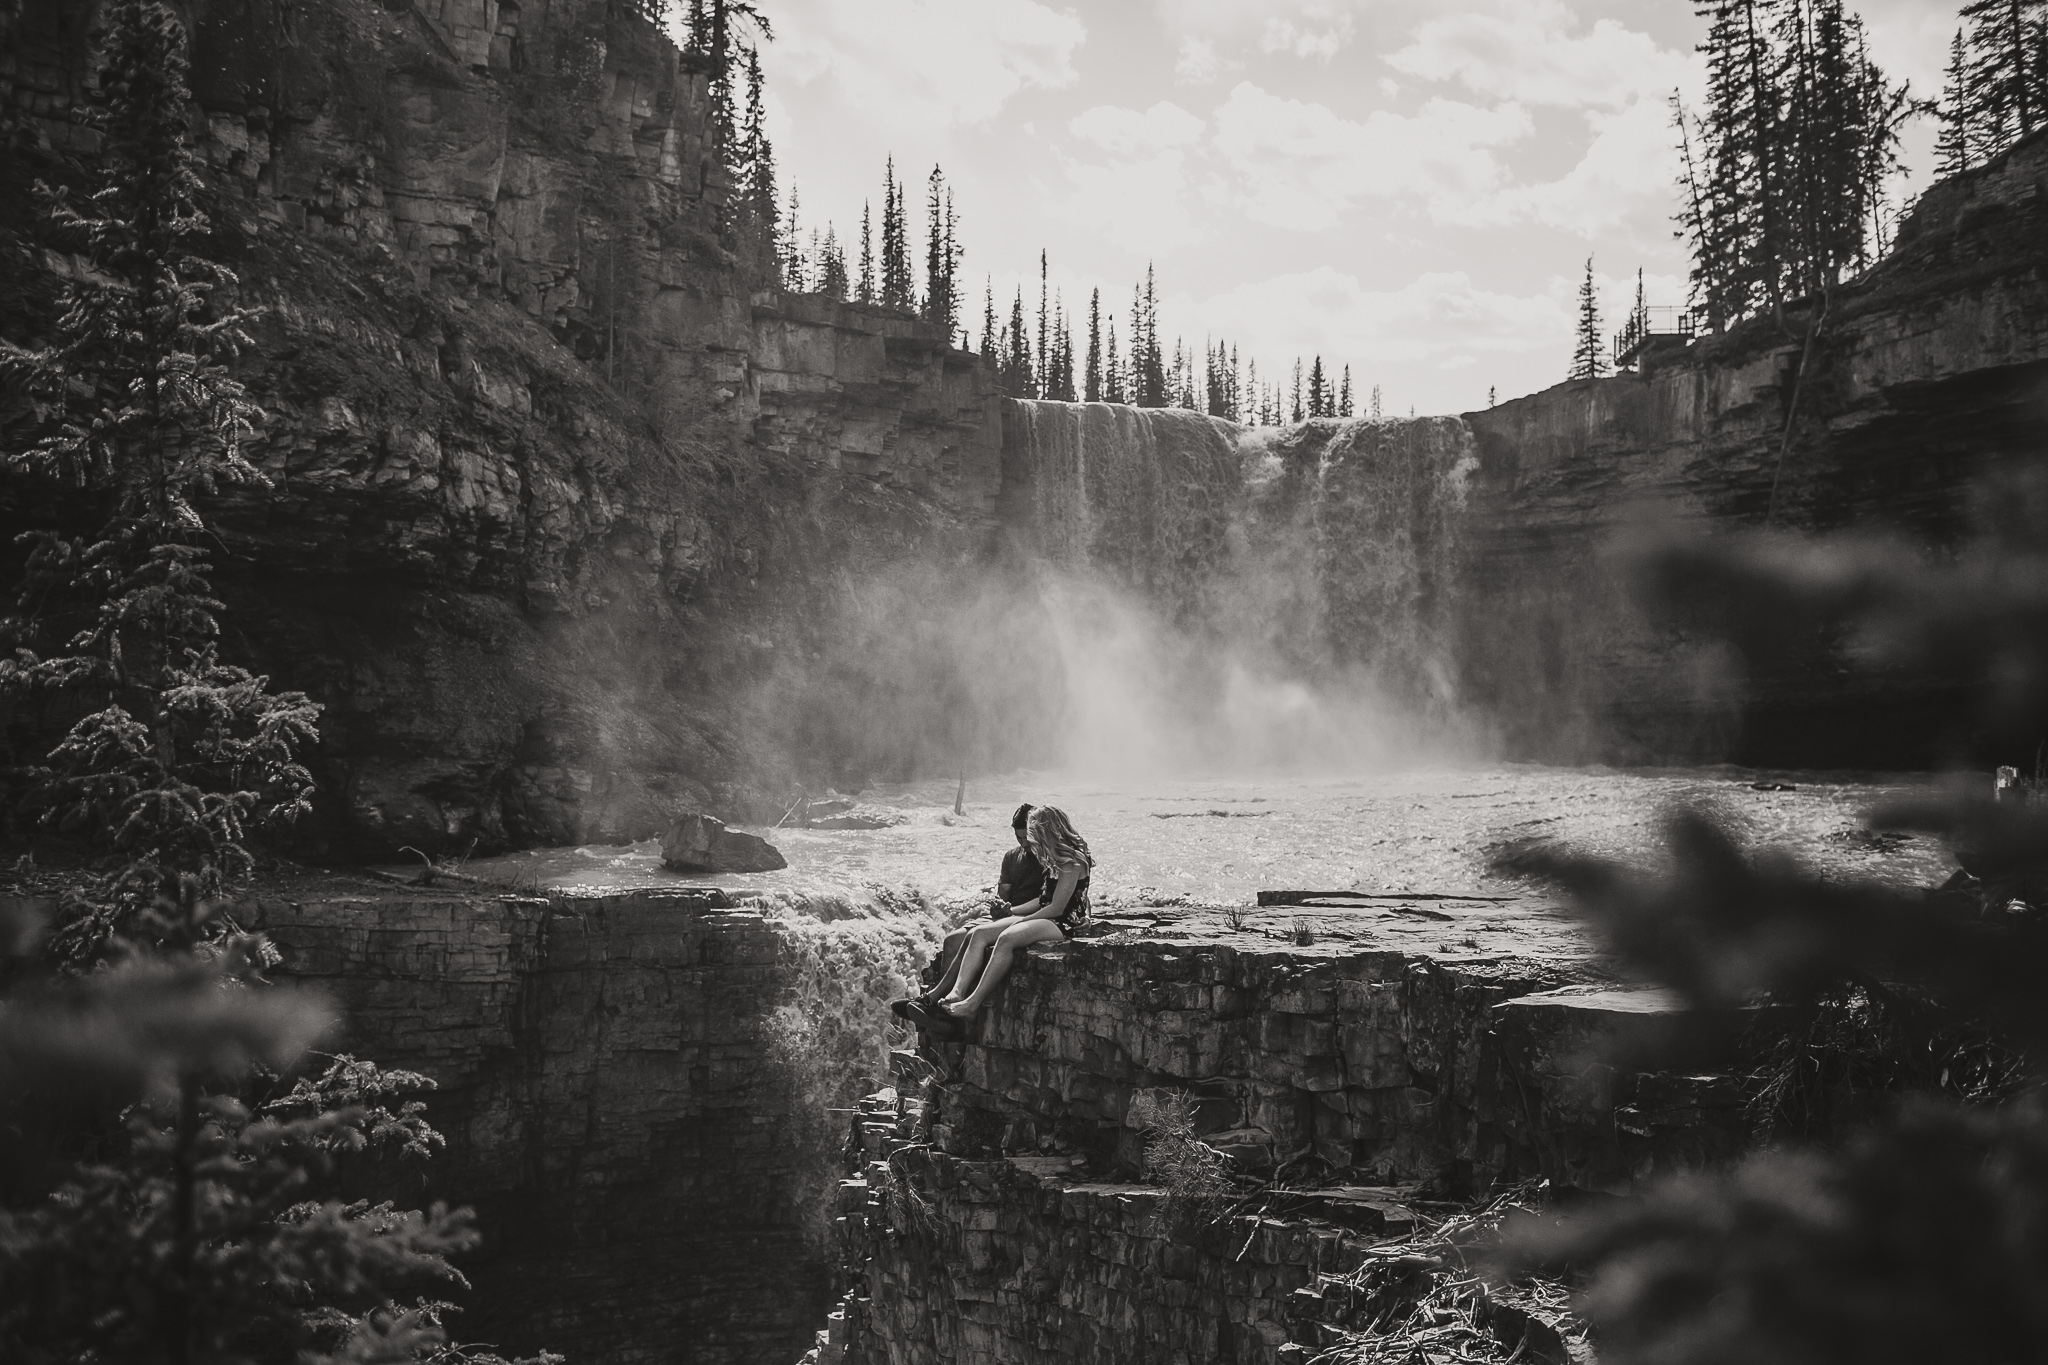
(568, 516)
(635, 1092)
(1922, 416)
(1008, 1209)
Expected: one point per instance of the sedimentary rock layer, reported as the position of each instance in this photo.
(995, 1217)
(642, 1135)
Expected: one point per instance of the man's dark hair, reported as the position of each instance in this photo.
(1022, 817)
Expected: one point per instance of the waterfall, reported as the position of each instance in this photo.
(1223, 597)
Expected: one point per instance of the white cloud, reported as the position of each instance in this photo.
(1137, 194)
(1316, 29)
(1626, 177)
(1438, 320)
(1307, 39)
(1300, 165)
(1127, 132)
(1527, 55)
(912, 65)
(1199, 62)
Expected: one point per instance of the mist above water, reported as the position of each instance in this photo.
(1169, 594)
(1224, 600)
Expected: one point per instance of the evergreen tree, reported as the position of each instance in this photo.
(1044, 366)
(207, 1227)
(1344, 395)
(760, 202)
(714, 30)
(1257, 414)
(2008, 69)
(941, 305)
(832, 266)
(1114, 390)
(1318, 391)
(794, 270)
(1589, 355)
(1299, 412)
(1148, 361)
(1019, 379)
(1785, 171)
(952, 259)
(183, 753)
(1092, 381)
(867, 257)
(899, 289)
(988, 322)
(1492, 395)
(1954, 149)
(1376, 403)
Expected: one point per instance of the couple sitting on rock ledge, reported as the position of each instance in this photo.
(1043, 895)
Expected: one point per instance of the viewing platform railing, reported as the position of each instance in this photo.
(1657, 320)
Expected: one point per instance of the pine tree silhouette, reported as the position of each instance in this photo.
(184, 753)
(1589, 355)
(1092, 383)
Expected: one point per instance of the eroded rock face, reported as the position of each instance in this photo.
(552, 488)
(1005, 1213)
(1921, 417)
(615, 1111)
(702, 843)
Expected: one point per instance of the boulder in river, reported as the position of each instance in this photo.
(702, 843)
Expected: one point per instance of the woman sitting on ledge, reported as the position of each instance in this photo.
(1061, 908)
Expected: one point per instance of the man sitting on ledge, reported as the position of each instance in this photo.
(1019, 883)
(1062, 907)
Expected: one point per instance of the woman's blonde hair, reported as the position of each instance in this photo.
(1055, 842)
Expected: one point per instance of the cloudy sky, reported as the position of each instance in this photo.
(1408, 186)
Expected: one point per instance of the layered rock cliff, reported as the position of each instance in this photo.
(565, 512)
(635, 1092)
(1921, 415)
(1008, 1208)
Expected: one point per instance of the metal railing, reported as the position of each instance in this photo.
(1653, 321)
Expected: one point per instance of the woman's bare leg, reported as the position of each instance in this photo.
(1008, 944)
(979, 943)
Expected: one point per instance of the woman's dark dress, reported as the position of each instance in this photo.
(1076, 913)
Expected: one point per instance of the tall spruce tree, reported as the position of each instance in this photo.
(899, 288)
(1955, 148)
(1019, 379)
(1296, 406)
(177, 755)
(866, 289)
(2008, 68)
(1344, 405)
(832, 279)
(1589, 353)
(1786, 169)
(790, 250)
(1092, 380)
(715, 30)
(988, 321)
(760, 201)
(941, 303)
(1318, 390)
(1044, 361)
(1148, 361)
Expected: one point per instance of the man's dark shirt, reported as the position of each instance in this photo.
(1022, 875)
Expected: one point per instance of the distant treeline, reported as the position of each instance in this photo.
(1032, 354)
